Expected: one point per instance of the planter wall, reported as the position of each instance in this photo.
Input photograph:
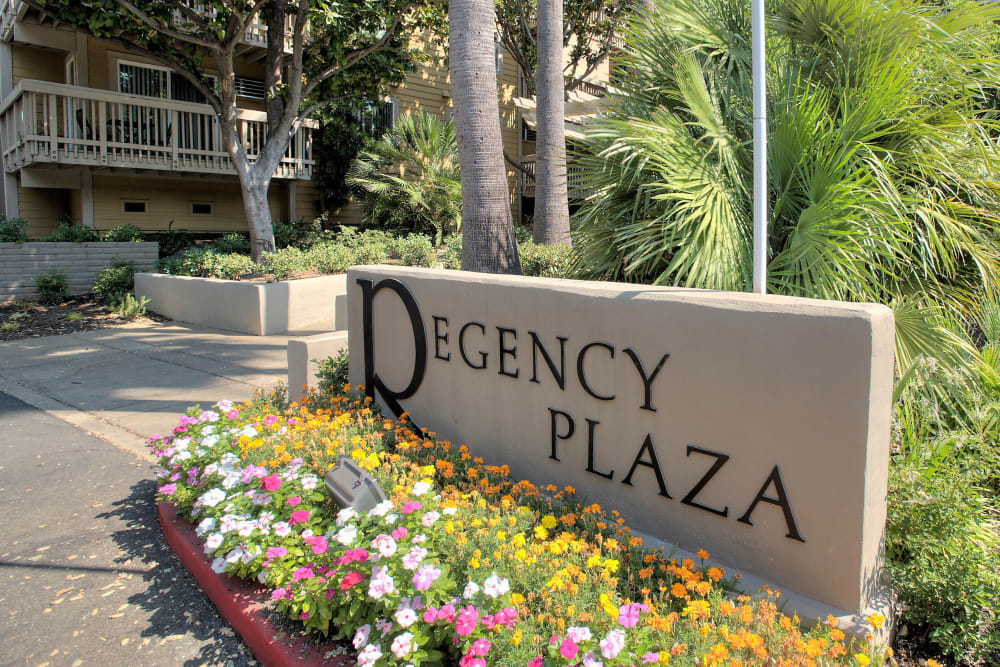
(21, 262)
(261, 309)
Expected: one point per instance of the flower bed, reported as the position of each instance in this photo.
(462, 565)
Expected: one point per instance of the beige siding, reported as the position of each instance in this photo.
(41, 64)
(171, 198)
(44, 209)
(306, 201)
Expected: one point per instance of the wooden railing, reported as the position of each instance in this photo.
(256, 32)
(574, 179)
(43, 122)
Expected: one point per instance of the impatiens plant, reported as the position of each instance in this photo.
(425, 577)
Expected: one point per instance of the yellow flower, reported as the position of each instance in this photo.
(516, 598)
(931, 662)
(876, 620)
(862, 659)
(541, 533)
(549, 522)
(611, 565)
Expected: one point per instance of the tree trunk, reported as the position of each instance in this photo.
(487, 229)
(258, 218)
(551, 199)
(274, 17)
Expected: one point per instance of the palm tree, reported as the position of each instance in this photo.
(551, 198)
(409, 178)
(883, 169)
(487, 228)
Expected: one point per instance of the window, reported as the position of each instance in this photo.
(135, 206)
(250, 88)
(201, 208)
(156, 81)
(377, 118)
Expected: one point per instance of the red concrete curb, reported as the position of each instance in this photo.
(240, 603)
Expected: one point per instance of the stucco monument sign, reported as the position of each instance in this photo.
(755, 427)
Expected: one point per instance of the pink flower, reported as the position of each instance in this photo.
(488, 622)
(468, 661)
(277, 594)
(399, 533)
(318, 543)
(349, 580)
(293, 501)
(272, 483)
(430, 615)
(275, 552)
(446, 613)
(233, 414)
(480, 647)
(568, 649)
(298, 517)
(425, 578)
(628, 614)
(465, 622)
(612, 644)
(168, 489)
(410, 506)
(269, 420)
(303, 573)
(536, 662)
(648, 658)
(507, 617)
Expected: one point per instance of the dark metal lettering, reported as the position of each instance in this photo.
(555, 430)
(647, 380)
(373, 382)
(461, 345)
(583, 377)
(720, 460)
(781, 501)
(560, 375)
(653, 463)
(591, 426)
(438, 337)
(507, 351)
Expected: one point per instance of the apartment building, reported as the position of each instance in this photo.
(92, 133)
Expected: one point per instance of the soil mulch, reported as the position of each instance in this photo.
(29, 319)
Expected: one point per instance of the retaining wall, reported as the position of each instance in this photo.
(21, 262)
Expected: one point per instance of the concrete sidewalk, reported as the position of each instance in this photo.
(124, 384)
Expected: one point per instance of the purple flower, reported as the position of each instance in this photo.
(168, 489)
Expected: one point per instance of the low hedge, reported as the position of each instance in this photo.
(462, 565)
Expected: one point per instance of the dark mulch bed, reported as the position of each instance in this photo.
(29, 319)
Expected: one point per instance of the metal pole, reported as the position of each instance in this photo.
(759, 151)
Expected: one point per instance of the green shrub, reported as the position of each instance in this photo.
(171, 241)
(115, 279)
(545, 261)
(207, 263)
(233, 242)
(331, 257)
(287, 262)
(368, 247)
(127, 307)
(123, 234)
(9, 326)
(13, 230)
(453, 252)
(413, 250)
(74, 317)
(300, 234)
(332, 374)
(72, 232)
(53, 287)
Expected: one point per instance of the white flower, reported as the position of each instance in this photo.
(411, 561)
(428, 519)
(210, 470)
(309, 482)
(345, 515)
(450, 511)
(262, 577)
(419, 538)
(578, 634)
(391, 518)
(200, 451)
(405, 617)
(181, 443)
(181, 456)
(210, 441)
(213, 497)
(231, 480)
(249, 431)
(205, 526)
(347, 535)
(224, 406)
(161, 472)
(208, 430)
(402, 645)
(470, 591)
(385, 545)
(369, 656)
(219, 565)
(381, 583)
(420, 488)
(228, 463)
(381, 509)
(234, 555)
(213, 541)
(361, 636)
(495, 586)
(229, 522)
(281, 529)
(246, 528)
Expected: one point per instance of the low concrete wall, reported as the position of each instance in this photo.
(303, 355)
(260, 309)
(21, 262)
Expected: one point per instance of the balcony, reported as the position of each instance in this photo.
(574, 179)
(43, 123)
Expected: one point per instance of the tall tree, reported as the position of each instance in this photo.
(551, 197)
(329, 49)
(487, 229)
(589, 33)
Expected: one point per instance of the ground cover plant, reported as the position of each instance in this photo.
(85, 312)
(462, 565)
